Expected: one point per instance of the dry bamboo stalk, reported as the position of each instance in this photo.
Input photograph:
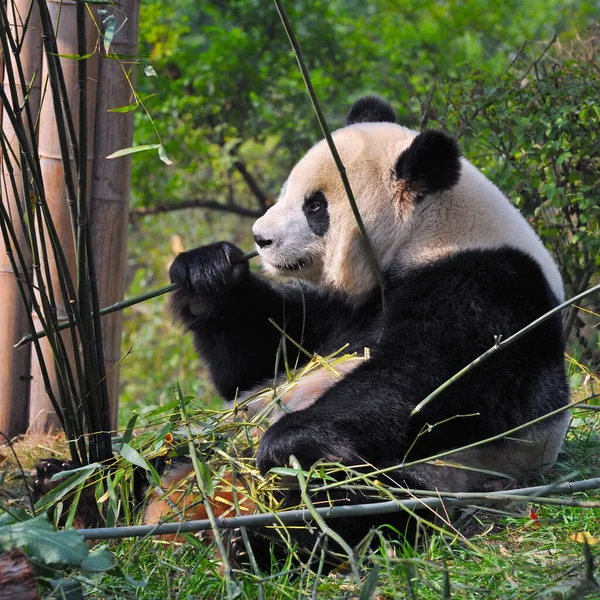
(109, 211)
(15, 365)
(63, 13)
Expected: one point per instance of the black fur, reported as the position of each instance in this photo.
(439, 318)
(317, 214)
(430, 164)
(370, 109)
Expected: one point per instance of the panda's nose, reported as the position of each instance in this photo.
(262, 242)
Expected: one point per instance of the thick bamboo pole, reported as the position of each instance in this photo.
(64, 18)
(109, 211)
(15, 364)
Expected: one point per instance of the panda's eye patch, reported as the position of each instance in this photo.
(315, 202)
(317, 216)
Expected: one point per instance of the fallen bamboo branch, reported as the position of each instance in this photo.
(28, 338)
(529, 494)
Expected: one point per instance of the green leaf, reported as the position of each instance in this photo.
(64, 474)
(66, 589)
(149, 71)
(129, 429)
(162, 154)
(287, 471)
(133, 149)
(207, 481)
(76, 56)
(133, 456)
(99, 560)
(44, 543)
(370, 586)
(79, 476)
(109, 32)
(123, 109)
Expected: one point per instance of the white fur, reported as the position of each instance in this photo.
(473, 214)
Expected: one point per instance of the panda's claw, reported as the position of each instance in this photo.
(236, 551)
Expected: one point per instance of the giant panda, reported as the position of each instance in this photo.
(460, 266)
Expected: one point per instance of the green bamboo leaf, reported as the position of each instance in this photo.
(85, 469)
(133, 456)
(129, 429)
(149, 71)
(76, 56)
(286, 471)
(207, 482)
(133, 149)
(162, 154)
(109, 32)
(123, 109)
(76, 477)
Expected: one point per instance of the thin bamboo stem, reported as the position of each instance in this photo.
(28, 338)
(13, 112)
(336, 512)
(86, 270)
(332, 148)
(500, 345)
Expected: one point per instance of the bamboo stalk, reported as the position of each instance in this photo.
(294, 516)
(60, 193)
(118, 306)
(336, 157)
(15, 366)
(111, 183)
(25, 133)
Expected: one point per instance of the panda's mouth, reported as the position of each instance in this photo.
(295, 265)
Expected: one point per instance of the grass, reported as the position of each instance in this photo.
(512, 556)
(504, 552)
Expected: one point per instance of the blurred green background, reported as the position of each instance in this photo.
(221, 89)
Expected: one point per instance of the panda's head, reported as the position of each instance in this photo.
(418, 199)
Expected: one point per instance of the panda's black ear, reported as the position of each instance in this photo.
(370, 109)
(430, 164)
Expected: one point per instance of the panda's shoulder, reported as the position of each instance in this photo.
(501, 278)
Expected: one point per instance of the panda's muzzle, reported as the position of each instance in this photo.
(296, 265)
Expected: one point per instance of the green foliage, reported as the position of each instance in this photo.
(537, 138)
(228, 97)
(62, 559)
(228, 87)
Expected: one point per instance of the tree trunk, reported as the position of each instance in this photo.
(17, 578)
(15, 364)
(111, 184)
(63, 13)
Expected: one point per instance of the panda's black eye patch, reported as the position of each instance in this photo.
(317, 215)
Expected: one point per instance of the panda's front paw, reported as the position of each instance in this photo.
(308, 442)
(210, 270)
